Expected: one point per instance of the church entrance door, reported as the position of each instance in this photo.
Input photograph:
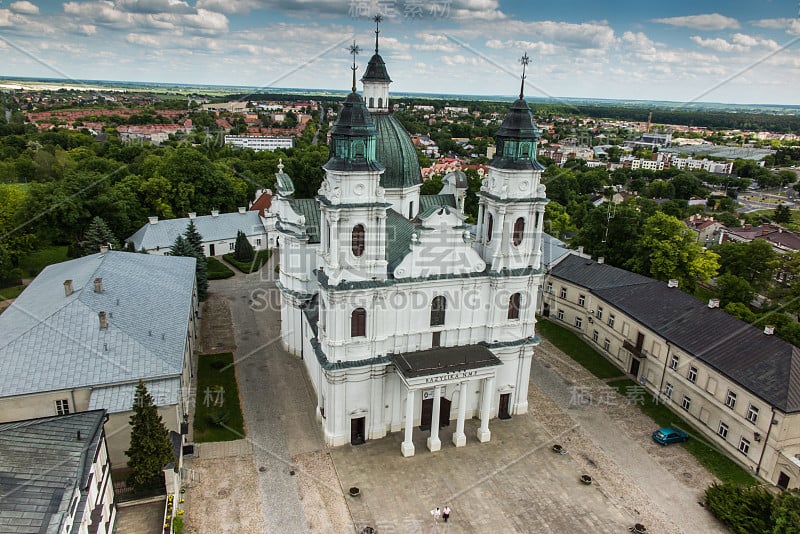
(427, 413)
(357, 427)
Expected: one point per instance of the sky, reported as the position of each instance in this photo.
(706, 51)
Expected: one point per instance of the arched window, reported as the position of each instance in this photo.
(513, 306)
(357, 241)
(380, 102)
(438, 307)
(372, 102)
(358, 149)
(519, 229)
(489, 227)
(358, 323)
(525, 150)
(411, 210)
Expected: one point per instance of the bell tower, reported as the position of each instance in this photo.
(352, 203)
(512, 198)
(376, 79)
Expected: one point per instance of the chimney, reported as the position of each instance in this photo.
(103, 321)
(78, 436)
(103, 249)
(769, 329)
(601, 260)
(153, 219)
(713, 303)
(68, 287)
(98, 285)
(192, 215)
(242, 210)
(580, 249)
(673, 282)
(215, 213)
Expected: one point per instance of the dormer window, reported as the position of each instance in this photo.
(525, 150)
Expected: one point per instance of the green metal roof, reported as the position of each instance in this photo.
(430, 201)
(284, 184)
(395, 151)
(398, 238)
(308, 208)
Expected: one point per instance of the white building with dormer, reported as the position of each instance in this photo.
(404, 319)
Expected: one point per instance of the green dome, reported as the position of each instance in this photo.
(395, 151)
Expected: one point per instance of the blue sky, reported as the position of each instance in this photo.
(739, 52)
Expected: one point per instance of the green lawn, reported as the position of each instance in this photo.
(712, 459)
(216, 381)
(249, 266)
(11, 292)
(33, 263)
(218, 270)
(577, 349)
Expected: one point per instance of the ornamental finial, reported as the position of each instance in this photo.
(525, 61)
(378, 19)
(354, 49)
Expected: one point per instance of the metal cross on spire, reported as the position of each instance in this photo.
(525, 61)
(354, 49)
(378, 19)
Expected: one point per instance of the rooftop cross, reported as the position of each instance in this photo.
(525, 60)
(354, 49)
(378, 19)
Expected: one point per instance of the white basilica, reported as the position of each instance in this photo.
(405, 319)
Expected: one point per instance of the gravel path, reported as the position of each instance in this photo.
(659, 485)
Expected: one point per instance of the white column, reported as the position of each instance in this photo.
(484, 434)
(407, 448)
(481, 223)
(434, 443)
(459, 438)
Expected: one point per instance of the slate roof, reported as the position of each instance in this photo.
(41, 464)
(395, 151)
(376, 70)
(398, 238)
(553, 250)
(308, 208)
(765, 365)
(428, 201)
(118, 398)
(444, 360)
(224, 226)
(53, 342)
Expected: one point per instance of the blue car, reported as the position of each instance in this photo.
(668, 435)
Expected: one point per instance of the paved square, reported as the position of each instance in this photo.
(514, 483)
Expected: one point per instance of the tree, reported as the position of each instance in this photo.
(786, 513)
(194, 238)
(195, 241)
(734, 289)
(151, 448)
(744, 509)
(183, 247)
(668, 250)
(243, 250)
(755, 262)
(431, 186)
(98, 234)
(782, 214)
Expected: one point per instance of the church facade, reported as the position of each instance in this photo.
(403, 317)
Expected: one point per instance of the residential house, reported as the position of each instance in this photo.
(56, 476)
(85, 331)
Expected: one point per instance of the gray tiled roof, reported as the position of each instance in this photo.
(53, 342)
(42, 463)
(224, 226)
(119, 397)
(553, 249)
(765, 365)
(398, 238)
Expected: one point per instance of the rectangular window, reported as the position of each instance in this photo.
(674, 361)
(581, 300)
(599, 313)
(563, 293)
(752, 414)
(607, 345)
(560, 315)
(611, 320)
(550, 287)
(722, 431)
(62, 407)
(744, 446)
(258, 241)
(730, 400)
(668, 391)
(578, 322)
(595, 336)
(231, 246)
(692, 374)
(686, 403)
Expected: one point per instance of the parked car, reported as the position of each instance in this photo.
(668, 435)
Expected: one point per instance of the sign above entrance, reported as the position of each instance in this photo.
(458, 375)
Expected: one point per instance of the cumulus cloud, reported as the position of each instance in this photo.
(711, 21)
(791, 26)
(24, 7)
(106, 13)
(434, 43)
(154, 6)
(739, 42)
(539, 48)
(566, 34)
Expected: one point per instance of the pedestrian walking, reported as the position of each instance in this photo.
(446, 513)
(436, 513)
